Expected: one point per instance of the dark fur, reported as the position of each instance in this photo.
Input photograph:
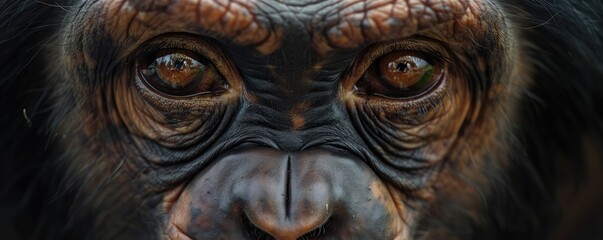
(561, 112)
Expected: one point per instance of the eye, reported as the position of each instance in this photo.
(400, 74)
(179, 72)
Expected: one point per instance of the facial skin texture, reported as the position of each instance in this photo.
(295, 133)
(291, 89)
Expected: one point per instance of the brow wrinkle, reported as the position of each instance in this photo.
(354, 26)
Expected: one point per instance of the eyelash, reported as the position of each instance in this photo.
(439, 54)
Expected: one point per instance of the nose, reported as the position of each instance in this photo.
(268, 194)
(289, 204)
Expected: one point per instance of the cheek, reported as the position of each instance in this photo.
(422, 129)
(168, 122)
(165, 130)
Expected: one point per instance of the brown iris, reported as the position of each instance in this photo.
(400, 74)
(179, 72)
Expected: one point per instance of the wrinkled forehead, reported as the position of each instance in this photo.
(265, 24)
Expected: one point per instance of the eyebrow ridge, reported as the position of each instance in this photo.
(357, 24)
(229, 19)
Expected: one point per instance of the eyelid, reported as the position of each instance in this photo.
(197, 44)
(188, 89)
(432, 48)
(429, 49)
(201, 45)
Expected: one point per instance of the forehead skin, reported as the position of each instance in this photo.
(264, 24)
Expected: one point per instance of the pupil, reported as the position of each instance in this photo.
(396, 66)
(179, 63)
(402, 67)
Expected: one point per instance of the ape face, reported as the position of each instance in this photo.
(287, 119)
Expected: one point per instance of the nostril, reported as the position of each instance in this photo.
(253, 232)
(318, 232)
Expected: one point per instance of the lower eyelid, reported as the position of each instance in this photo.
(438, 84)
(411, 108)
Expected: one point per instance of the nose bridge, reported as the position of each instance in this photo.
(295, 129)
(289, 92)
(284, 79)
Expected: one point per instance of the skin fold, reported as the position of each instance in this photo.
(291, 89)
(343, 119)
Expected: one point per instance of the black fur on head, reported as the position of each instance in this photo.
(559, 144)
(548, 192)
